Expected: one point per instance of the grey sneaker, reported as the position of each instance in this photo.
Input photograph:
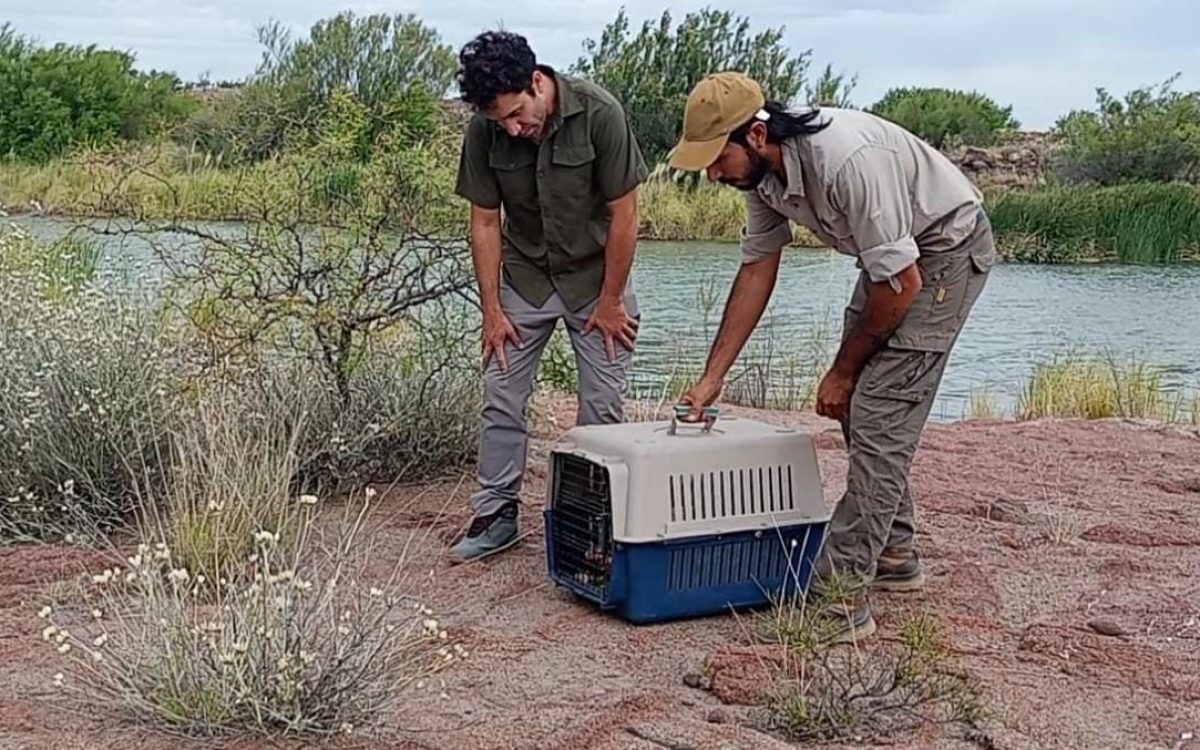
(899, 571)
(487, 535)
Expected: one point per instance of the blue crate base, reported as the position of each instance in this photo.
(698, 576)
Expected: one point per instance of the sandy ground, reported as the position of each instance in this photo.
(1032, 533)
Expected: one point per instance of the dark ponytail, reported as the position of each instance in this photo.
(782, 124)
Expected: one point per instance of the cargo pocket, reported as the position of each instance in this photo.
(932, 322)
(909, 375)
(573, 171)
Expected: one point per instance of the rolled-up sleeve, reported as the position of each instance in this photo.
(871, 191)
(766, 231)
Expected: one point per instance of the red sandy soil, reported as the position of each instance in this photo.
(1035, 535)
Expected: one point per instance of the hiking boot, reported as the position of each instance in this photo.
(898, 571)
(487, 535)
(790, 626)
(850, 622)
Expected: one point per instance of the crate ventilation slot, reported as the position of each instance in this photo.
(713, 495)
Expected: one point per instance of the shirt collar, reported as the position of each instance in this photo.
(569, 102)
(773, 187)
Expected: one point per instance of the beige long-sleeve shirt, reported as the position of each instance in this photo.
(868, 189)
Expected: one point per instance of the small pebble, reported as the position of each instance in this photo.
(692, 679)
(718, 716)
(1107, 627)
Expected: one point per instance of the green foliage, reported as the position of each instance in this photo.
(831, 89)
(245, 124)
(1134, 223)
(60, 97)
(377, 57)
(1150, 135)
(380, 71)
(941, 116)
(651, 72)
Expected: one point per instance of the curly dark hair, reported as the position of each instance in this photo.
(494, 63)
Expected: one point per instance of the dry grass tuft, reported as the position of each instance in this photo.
(860, 693)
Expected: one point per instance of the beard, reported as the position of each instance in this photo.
(753, 177)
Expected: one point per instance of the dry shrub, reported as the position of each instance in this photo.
(824, 692)
(242, 609)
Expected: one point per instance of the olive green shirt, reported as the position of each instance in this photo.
(868, 189)
(555, 192)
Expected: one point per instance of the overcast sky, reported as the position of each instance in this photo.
(1044, 57)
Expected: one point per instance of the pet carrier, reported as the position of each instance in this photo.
(663, 520)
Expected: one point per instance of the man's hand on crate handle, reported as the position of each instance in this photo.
(703, 393)
(747, 299)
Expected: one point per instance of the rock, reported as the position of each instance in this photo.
(1107, 627)
(977, 155)
(693, 679)
(718, 716)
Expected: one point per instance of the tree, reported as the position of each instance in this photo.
(831, 90)
(652, 72)
(1150, 135)
(377, 57)
(349, 249)
(941, 116)
(394, 65)
(55, 98)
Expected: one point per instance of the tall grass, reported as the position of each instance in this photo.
(163, 181)
(682, 210)
(1078, 387)
(1134, 223)
(168, 183)
(983, 404)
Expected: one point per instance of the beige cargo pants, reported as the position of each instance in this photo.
(891, 402)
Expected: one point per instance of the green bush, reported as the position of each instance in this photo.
(1151, 135)
(1134, 223)
(943, 116)
(651, 72)
(60, 97)
(393, 68)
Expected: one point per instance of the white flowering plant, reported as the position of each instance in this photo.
(84, 391)
(300, 644)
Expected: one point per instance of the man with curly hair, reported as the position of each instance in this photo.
(551, 168)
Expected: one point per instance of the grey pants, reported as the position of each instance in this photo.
(891, 402)
(504, 439)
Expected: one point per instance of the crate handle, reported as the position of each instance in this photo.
(682, 410)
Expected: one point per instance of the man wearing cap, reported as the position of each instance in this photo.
(551, 168)
(871, 190)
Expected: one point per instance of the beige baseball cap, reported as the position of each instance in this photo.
(716, 107)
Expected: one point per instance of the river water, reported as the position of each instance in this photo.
(1027, 314)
